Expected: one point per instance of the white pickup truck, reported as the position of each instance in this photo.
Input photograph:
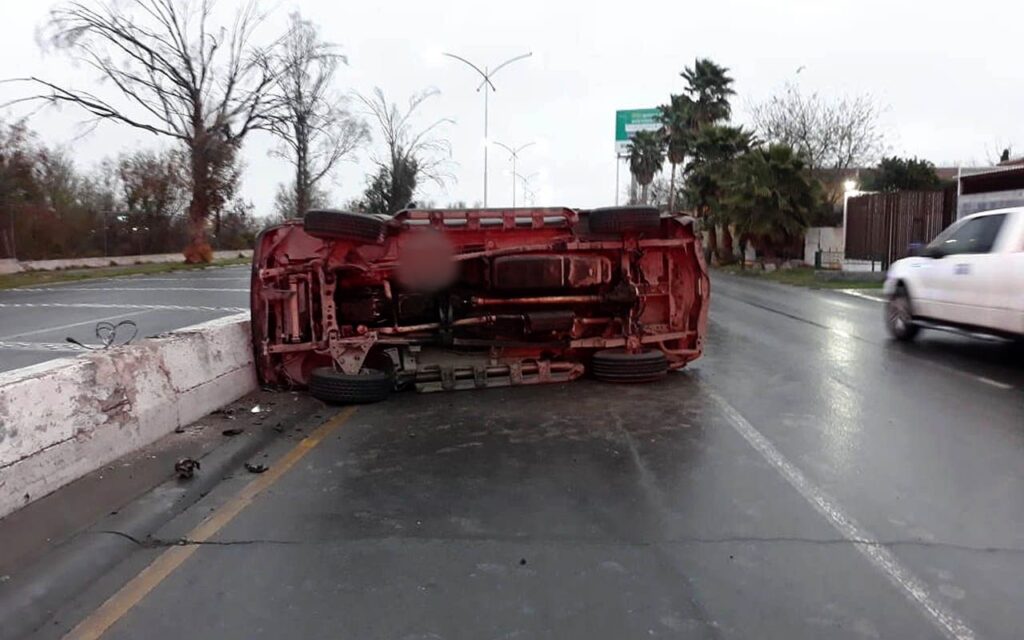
(971, 277)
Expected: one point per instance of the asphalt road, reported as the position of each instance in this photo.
(806, 479)
(34, 321)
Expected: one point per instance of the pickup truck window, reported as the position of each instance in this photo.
(977, 235)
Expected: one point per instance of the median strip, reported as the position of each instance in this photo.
(107, 305)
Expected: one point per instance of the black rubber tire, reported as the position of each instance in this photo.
(335, 387)
(624, 220)
(618, 365)
(899, 313)
(342, 225)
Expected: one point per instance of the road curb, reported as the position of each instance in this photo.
(30, 598)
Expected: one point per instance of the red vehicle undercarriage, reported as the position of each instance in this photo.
(354, 305)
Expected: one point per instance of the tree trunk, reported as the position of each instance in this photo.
(643, 193)
(672, 190)
(727, 244)
(713, 242)
(303, 188)
(198, 249)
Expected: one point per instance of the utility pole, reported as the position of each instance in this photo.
(486, 84)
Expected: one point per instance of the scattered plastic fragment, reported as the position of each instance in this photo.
(186, 468)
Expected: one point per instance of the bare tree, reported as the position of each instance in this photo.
(309, 119)
(285, 206)
(831, 134)
(176, 75)
(412, 155)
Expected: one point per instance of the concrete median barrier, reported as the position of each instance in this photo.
(8, 266)
(65, 418)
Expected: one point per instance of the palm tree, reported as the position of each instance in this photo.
(646, 153)
(677, 124)
(771, 196)
(709, 85)
(715, 148)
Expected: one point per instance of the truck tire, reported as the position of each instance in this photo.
(624, 220)
(328, 224)
(335, 387)
(899, 317)
(619, 365)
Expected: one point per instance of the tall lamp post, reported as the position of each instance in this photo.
(486, 83)
(527, 189)
(514, 156)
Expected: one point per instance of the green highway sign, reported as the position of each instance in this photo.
(629, 121)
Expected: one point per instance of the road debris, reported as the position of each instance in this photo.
(179, 429)
(186, 468)
(107, 334)
(256, 409)
(233, 431)
(255, 468)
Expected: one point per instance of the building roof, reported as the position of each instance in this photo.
(1002, 178)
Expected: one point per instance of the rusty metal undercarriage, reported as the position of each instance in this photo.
(462, 299)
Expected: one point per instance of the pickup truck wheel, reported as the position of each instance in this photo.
(335, 387)
(327, 224)
(624, 219)
(619, 365)
(899, 317)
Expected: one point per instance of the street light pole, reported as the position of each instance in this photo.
(514, 155)
(527, 191)
(486, 74)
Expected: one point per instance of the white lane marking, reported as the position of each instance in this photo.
(857, 293)
(912, 587)
(994, 383)
(61, 289)
(135, 278)
(40, 346)
(242, 275)
(103, 305)
(74, 324)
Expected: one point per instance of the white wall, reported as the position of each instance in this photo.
(975, 202)
(829, 239)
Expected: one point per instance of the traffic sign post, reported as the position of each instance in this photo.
(627, 123)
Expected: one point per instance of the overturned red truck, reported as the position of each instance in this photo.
(353, 306)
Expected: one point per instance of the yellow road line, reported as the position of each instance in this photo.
(119, 604)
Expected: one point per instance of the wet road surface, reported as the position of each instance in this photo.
(806, 479)
(34, 321)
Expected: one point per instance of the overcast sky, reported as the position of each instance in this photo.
(947, 73)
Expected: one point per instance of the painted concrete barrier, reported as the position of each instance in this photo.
(65, 418)
(8, 266)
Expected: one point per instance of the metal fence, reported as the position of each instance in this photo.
(882, 227)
